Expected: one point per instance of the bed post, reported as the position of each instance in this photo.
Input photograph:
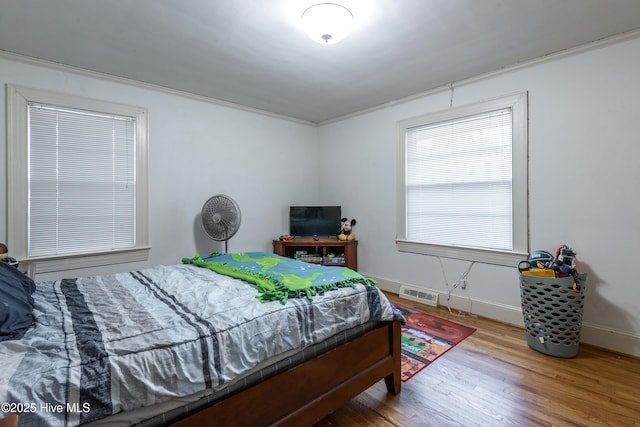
(393, 381)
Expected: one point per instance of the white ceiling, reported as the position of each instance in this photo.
(253, 53)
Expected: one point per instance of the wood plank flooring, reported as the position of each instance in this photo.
(493, 378)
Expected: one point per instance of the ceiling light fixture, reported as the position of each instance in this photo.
(327, 23)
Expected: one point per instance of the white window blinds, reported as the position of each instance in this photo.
(459, 182)
(82, 181)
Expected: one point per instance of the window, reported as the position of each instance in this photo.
(76, 180)
(463, 182)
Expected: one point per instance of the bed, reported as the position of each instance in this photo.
(229, 339)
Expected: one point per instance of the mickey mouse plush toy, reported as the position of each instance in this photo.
(345, 229)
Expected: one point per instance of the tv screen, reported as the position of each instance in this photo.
(322, 221)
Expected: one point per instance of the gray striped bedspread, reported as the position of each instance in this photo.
(105, 344)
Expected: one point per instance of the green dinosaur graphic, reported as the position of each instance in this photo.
(295, 282)
(267, 263)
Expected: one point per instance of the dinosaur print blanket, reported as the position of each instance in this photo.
(279, 278)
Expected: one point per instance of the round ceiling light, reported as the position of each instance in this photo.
(327, 23)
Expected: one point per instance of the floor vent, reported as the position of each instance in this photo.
(419, 295)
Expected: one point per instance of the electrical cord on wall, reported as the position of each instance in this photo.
(462, 284)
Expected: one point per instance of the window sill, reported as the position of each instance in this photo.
(74, 262)
(487, 256)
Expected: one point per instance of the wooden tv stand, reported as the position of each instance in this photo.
(322, 246)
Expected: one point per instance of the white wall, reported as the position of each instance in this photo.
(197, 149)
(584, 112)
(584, 180)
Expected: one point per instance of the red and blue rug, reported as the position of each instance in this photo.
(425, 338)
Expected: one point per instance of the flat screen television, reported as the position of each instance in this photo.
(321, 221)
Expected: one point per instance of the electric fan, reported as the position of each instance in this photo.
(220, 218)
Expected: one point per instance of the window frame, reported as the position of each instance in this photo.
(18, 99)
(520, 209)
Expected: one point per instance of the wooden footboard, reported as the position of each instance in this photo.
(308, 392)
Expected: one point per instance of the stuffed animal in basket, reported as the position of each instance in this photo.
(346, 232)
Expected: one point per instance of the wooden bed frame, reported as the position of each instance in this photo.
(306, 393)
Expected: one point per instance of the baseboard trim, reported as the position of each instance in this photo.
(615, 340)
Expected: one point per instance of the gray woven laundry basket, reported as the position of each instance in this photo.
(552, 311)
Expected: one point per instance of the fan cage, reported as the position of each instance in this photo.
(220, 217)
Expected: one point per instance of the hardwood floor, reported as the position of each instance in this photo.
(493, 378)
